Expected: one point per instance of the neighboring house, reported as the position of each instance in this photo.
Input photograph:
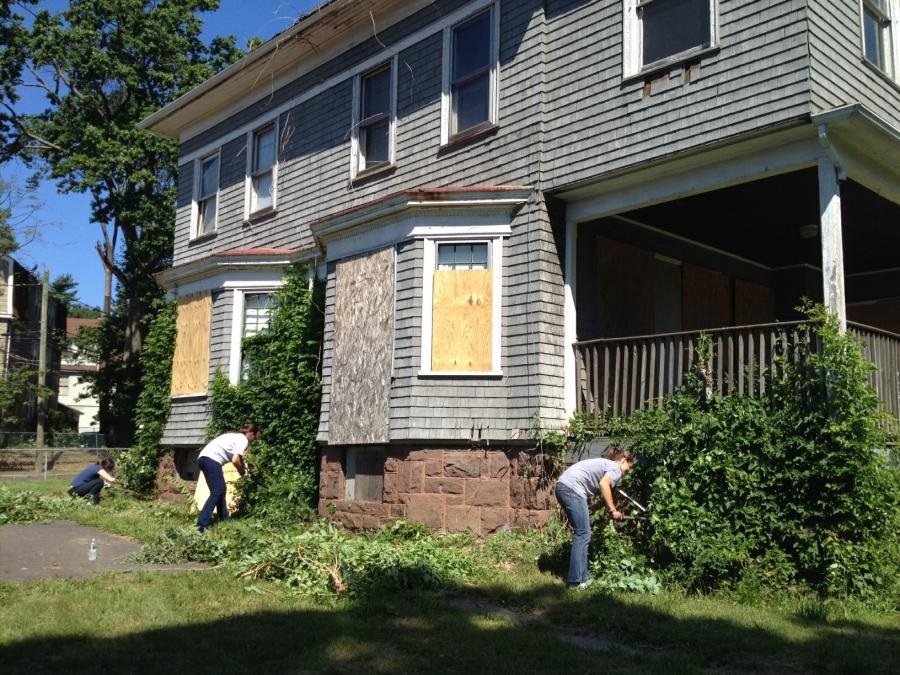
(20, 331)
(74, 392)
(485, 184)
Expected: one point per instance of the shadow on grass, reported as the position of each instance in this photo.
(420, 632)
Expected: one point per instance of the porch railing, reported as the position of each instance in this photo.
(618, 376)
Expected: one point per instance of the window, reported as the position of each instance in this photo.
(257, 311)
(660, 32)
(364, 472)
(207, 195)
(878, 40)
(470, 74)
(462, 307)
(261, 174)
(375, 113)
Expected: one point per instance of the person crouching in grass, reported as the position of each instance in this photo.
(93, 479)
(580, 482)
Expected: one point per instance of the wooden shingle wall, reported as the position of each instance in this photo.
(838, 73)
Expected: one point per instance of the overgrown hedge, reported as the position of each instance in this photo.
(789, 489)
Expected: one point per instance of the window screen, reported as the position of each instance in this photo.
(673, 26)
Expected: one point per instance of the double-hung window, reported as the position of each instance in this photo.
(207, 194)
(252, 312)
(661, 32)
(262, 170)
(462, 293)
(878, 38)
(375, 112)
(471, 59)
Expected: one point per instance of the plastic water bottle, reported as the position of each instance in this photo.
(92, 550)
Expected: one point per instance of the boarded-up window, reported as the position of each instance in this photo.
(462, 315)
(190, 364)
(365, 474)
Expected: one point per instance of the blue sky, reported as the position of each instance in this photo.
(67, 238)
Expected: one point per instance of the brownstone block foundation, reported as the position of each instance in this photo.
(448, 490)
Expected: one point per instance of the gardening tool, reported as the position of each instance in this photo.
(633, 501)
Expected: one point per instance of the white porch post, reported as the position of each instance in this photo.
(569, 332)
(832, 240)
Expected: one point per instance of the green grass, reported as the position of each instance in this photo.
(213, 621)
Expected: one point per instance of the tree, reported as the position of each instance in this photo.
(102, 66)
(64, 288)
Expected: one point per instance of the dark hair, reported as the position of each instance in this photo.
(107, 464)
(616, 454)
(250, 427)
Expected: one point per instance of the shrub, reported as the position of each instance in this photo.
(790, 487)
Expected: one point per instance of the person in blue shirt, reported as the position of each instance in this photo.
(579, 483)
(93, 479)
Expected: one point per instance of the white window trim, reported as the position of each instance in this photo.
(493, 107)
(248, 171)
(495, 244)
(237, 325)
(892, 72)
(633, 47)
(356, 167)
(195, 202)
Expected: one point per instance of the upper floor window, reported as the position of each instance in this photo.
(470, 74)
(375, 106)
(262, 170)
(877, 29)
(207, 191)
(658, 32)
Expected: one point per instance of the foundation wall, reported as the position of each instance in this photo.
(447, 489)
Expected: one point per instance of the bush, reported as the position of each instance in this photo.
(790, 487)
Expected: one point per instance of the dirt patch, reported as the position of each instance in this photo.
(59, 549)
(589, 642)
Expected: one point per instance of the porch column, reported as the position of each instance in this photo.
(569, 332)
(832, 240)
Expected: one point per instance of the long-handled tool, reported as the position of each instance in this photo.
(633, 501)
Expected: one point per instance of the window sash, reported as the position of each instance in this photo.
(257, 313)
(463, 256)
(877, 34)
(470, 72)
(209, 177)
(672, 27)
(375, 110)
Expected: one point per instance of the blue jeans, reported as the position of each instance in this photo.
(215, 481)
(576, 508)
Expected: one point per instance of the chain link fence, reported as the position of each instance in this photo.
(63, 455)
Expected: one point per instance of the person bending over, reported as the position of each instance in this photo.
(229, 447)
(581, 481)
(93, 479)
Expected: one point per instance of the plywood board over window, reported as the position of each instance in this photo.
(190, 364)
(363, 342)
(462, 321)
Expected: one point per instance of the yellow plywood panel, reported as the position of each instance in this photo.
(201, 492)
(190, 363)
(462, 336)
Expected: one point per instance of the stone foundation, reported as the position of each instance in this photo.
(449, 490)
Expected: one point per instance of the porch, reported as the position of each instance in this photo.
(618, 376)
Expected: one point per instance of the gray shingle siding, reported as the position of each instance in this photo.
(839, 73)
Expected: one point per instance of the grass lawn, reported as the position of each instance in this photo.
(522, 620)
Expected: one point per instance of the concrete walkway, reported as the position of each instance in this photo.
(59, 549)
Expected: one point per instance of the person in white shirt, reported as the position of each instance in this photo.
(229, 447)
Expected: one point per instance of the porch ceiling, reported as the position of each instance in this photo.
(762, 221)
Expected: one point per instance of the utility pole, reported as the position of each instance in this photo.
(42, 361)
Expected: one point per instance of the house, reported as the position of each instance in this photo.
(492, 189)
(20, 332)
(74, 391)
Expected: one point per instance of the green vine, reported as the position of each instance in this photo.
(281, 392)
(138, 464)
